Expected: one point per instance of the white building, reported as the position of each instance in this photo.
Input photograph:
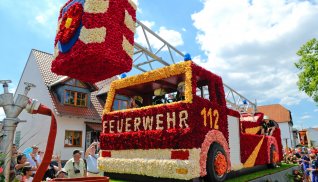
(312, 137)
(77, 106)
(284, 119)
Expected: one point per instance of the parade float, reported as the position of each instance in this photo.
(195, 136)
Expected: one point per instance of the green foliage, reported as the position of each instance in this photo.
(308, 65)
(2, 159)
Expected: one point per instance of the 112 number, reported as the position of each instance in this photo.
(209, 114)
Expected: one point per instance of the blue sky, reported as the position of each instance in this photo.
(251, 44)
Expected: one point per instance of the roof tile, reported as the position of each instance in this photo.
(276, 112)
(44, 61)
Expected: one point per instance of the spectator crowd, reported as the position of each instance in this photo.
(306, 158)
(25, 164)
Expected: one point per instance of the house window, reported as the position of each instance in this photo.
(73, 138)
(75, 98)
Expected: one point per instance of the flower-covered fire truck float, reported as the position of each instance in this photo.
(195, 137)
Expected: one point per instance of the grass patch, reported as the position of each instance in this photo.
(112, 180)
(259, 174)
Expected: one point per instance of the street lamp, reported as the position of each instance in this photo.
(12, 109)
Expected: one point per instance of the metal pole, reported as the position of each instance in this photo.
(12, 109)
(9, 126)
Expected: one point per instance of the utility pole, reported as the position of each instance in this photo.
(12, 110)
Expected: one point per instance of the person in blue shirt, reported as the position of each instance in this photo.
(314, 168)
(91, 160)
(305, 165)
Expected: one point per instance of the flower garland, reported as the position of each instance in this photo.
(98, 35)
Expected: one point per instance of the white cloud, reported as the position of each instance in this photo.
(253, 46)
(171, 36)
(40, 16)
(305, 117)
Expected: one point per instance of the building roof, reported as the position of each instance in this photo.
(276, 112)
(44, 61)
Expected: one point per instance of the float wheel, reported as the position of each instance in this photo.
(216, 164)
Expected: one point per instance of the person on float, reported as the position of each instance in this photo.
(137, 102)
(159, 96)
(75, 167)
(268, 126)
(91, 160)
(180, 92)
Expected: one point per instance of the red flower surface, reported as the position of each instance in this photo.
(95, 61)
(70, 23)
(174, 138)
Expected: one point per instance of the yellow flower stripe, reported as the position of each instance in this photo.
(151, 76)
(253, 130)
(250, 162)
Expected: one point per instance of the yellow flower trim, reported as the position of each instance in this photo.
(127, 47)
(158, 74)
(129, 22)
(94, 35)
(250, 162)
(253, 130)
(96, 6)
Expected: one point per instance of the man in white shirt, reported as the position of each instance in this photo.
(75, 167)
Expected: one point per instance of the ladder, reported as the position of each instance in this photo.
(155, 52)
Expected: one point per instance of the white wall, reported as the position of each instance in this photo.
(312, 135)
(35, 130)
(68, 123)
(37, 125)
(286, 132)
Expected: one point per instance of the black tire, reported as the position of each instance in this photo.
(272, 164)
(212, 175)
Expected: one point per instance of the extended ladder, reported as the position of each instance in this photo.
(154, 52)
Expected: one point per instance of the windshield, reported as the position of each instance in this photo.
(164, 91)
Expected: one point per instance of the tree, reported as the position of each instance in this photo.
(308, 65)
